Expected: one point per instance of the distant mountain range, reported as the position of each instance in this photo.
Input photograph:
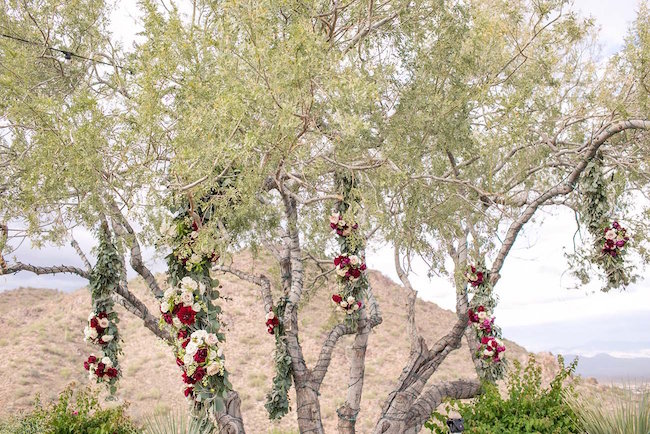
(607, 368)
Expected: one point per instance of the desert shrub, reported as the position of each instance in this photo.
(630, 414)
(174, 423)
(527, 408)
(75, 412)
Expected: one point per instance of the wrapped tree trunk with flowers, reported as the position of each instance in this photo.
(439, 128)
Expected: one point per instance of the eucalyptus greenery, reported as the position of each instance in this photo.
(104, 279)
(277, 400)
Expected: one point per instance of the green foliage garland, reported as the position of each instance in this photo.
(277, 400)
(595, 216)
(102, 322)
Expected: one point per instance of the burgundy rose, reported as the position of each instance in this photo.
(199, 374)
(485, 340)
(186, 315)
(188, 380)
(201, 355)
(615, 225)
(92, 359)
(182, 334)
(270, 330)
(620, 243)
(100, 369)
(337, 298)
(179, 362)
(167, 317)
(337, 261)
(94, 323)
(184, 343)
(188, 391)
(111, 372)
(363, 267)
(86, 366)
(359, 304)
(333, 225)
(355, 272)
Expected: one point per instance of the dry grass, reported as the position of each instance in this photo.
(43, 350)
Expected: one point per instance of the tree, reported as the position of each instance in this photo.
(429, 124)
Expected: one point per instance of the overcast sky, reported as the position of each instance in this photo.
(537, 308)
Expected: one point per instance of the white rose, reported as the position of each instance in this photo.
(91, 316)
(610, 234)
(189, 283)
(270, 315)
(194, 235)
(199, 336)
(350, 300)
(196, 307)
(188, 358)
(187, 298)
(195, 258)
(334, 218)
(211, 339)
(488, 353)
(103, 322)
(482, 315)
(164, 306)
(354, 259)
(340, 271)
(90, 333)
(220, 352)
(107, 338)
(343, 304)
(107, 361)
(213, 368)
(191, 348)
(169, 292)
(355, 306)
(201, 288)
(177, 322)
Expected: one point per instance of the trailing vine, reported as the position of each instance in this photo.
(609, 237)
(102, 322)
(349, 264)
(491, 347)
(189, 312)
(277, 400)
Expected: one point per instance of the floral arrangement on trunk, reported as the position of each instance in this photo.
(189, 313)
(491, 349)
(349, 264)
(102, 322)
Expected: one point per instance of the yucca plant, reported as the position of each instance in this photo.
(630, 414)
(173, 423)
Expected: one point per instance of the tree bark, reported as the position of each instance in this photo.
(230, 420)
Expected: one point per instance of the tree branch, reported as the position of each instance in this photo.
(55, 269)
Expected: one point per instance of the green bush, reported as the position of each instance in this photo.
(629, 415)
(528, 408)
(75, 412)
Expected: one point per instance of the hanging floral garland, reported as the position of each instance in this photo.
(189, 312)
(491, 347)
(102, 321)
(610, 238)
(349, 264)
(277, 400)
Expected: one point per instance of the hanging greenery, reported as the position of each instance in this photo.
(609, 237)
(277, 400)
(102, 322)
(190, 313)
(491, 348)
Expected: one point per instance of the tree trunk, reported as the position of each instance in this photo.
(230, 420)
(308, 409)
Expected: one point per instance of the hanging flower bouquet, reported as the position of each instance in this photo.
(491, 346)
(615, 239)
(102, 322)
(348, 305)
(277, 400)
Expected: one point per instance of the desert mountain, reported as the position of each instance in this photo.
(43, 350)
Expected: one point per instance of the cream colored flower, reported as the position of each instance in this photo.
(108, 362)
(610, 234)
(334, 218)
(191, 348)
(107, 338)
(211, 339)
(196, 307)
(340, 271)
(103, 322)
(177, 322)
(187, 298)
(354, 259)
(270, 315)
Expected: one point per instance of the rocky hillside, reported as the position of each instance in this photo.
(43, 350)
